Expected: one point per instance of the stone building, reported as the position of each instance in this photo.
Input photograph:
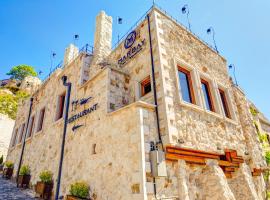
(156, 117)
(6, 128)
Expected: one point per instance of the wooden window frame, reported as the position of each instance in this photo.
(224, 104)
(143, 83)
(21, 133)
(190, 83)
(14, 137)
(41, 119)
(31, 127)
(211, 99)
(60, 106)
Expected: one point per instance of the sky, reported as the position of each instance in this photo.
(30, 30)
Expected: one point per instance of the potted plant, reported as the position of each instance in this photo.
(24, 177)
(78, 191)
(8, 170)
(1, 163)
(44, 187)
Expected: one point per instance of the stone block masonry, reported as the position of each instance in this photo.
(116, 128)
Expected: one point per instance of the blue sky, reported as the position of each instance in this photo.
(31, 29)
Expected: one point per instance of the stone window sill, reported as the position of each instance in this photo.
(58, 121)
(231, 121)
(191, 106)
(28, 139)
(214, 114)
(146, 96)
(12, 148)
(39, 132)
(19, 144)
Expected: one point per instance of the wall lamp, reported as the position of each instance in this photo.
(185, 10)
(232, 67)
(209, 31)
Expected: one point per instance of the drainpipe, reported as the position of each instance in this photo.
(67, 100)
(24, 137)
(154, 82)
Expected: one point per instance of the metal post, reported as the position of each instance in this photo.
(67, 100)
(232, 66)
(215, 40)
(24, 137)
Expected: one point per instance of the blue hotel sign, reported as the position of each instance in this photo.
(132, 49)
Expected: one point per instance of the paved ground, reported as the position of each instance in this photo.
(9, 191)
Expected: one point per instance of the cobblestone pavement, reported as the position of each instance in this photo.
(9, 191)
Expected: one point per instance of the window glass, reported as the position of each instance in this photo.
(224, 103)
(21, 133)
(61, 103)
(14, 138)
(31, 126)
(41, 119)
(207, 95)
(145, 86)
(186, 85)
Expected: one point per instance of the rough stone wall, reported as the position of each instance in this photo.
(6, 127)
(30, 84)
(213, 183)
(243, 186)
(193, 126)
(103, 37)
(111, 150)
(71, 52)
(110, 159)
(119, 90)
(251, 138)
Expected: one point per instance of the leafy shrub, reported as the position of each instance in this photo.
(25, 170)
(268, 194)
(253, 111)
(266, 175)
(1, 160)
(263, 137)
(9, 103)
(46, 176)
(9, 164)
(79, 189)
(267, 157)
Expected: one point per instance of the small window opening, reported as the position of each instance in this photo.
(145, 86)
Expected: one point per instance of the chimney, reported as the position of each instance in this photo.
(70, 53)
(103, 37)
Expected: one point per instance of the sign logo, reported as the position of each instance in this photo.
(130, 39)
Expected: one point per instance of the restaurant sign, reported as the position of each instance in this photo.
(133, 49)
(83, 113)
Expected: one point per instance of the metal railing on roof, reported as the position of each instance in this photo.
(85, 49)
(168, 15)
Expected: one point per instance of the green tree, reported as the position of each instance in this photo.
(9, 103)
(21, 71)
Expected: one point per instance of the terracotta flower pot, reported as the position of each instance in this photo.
(23, 181)
(44, 190)
(7, 173)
